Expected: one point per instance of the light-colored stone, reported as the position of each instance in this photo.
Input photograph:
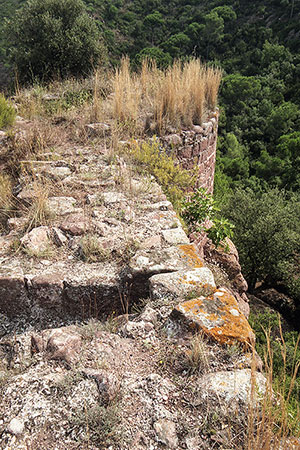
(17, 223)
(149, 315)
(234, 387)
(37, 240)
(181, 283)
(113, 197)
(62, 205)
(16, 426)
(98, 128)
(151, 242)
(175, 236)
(166, 433)
(139, 329)
(56, 173)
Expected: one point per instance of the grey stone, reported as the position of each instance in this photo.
(62, 205)
(113, 197)
(175, 236)
(181, 283)
(233, 388)
(166, 433)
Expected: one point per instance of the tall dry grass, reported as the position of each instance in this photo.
(274, 423)
(179, 95)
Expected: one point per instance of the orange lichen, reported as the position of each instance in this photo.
(190, 254)
(219, 317)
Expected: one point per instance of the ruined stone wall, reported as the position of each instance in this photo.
(197, 146)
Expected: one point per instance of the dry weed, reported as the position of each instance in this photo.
(179, 95)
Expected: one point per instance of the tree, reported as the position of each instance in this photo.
(266, 233)
(48, 38)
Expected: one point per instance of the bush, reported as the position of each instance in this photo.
(49, 38)
(199, 208)
(7, 113)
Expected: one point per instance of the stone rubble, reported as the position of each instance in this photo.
(100, 306)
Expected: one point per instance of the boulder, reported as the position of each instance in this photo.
(76, 224)
(218, 316)
(233, 388)
(182, 283)
(175, 236)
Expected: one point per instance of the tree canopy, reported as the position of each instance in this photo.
(50, 38)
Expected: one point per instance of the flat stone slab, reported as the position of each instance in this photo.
(175, 236)
(62, 205)
(217, 315)
(181, 283)
(233, 387)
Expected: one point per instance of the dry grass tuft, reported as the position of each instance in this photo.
(198, 356)
(276, 419)
(6, 198)
(178, 96)
(38, 213)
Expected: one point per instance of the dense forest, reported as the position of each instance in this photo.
(256, 44)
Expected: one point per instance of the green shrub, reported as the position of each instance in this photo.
(199, 208)
(7, 113)
(174, 180)
(53, 38)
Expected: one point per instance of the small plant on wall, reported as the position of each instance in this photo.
(199, 208)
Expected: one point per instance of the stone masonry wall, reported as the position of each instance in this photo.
(197, 146)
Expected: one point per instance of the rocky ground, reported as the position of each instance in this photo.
(114, 333)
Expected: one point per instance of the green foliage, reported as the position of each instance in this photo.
(48, 38)
(162, 59)
(267, 231)
(220, 230)
(199, 208)
(173, 179)
(7, 113)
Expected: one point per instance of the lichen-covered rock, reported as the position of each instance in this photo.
(180, 284)
(237, 387)
(218, 316)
